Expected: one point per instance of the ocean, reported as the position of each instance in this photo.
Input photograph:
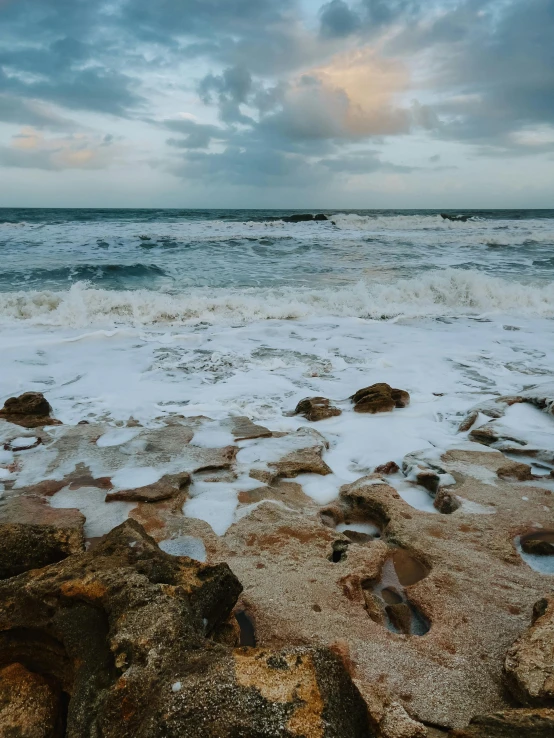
(114, 314)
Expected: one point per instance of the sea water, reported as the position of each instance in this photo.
(115, 314)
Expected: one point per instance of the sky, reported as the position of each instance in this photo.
(277, 103)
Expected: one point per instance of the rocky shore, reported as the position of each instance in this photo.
(123, 612)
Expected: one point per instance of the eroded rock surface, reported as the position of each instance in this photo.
(30, 705)
(124, 632)
(529, 663)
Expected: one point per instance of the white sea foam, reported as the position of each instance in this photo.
(448, 292)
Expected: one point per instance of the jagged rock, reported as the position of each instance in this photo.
(162, 490)
(514, 470)
(29, 705)
(446, 502)
(379, 398)
(123, 632)
(243, 428)
(418, 468)
(529, 664)
(24, 547)
(510, 724)
(316, 408)
(30, 410)
(391, 467)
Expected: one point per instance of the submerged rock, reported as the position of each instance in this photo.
(304, 217)
(379, 398)
(123, 635)
(30, 410)
(455, 218)
(529, 665)
(317, 408)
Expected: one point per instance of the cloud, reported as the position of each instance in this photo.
(30, 149)
(197, 135)
(33, 113)
(338, 20)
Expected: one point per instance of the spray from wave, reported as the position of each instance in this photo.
(449, 292)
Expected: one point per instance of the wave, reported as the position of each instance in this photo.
(84, 272)
(449, 292)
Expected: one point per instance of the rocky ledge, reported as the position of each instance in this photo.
(124, 612)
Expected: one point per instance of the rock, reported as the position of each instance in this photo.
(514, 470)
(391, 467)
(316, 408)
(400, 616)
(379, 398)
(538, 544)
(243, 429)
(446, 502)
(468, 421)
(529, 664)
(303, 217)
(124, 631)
(510, 724)
(30, 410)
(29, 705)
(24, 547)
(455, 218)
(162, 490)
(288, 456)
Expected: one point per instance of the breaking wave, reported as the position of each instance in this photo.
(438, 293)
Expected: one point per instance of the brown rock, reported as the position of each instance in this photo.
(317, 408)
(24, 547)
(517, 471)
(379, 398)
(162, 490)
(30, 410)
(123, 631)
(400, 616)
(539, 544)
(391, 467)
(446, 502)
(529, 664)
(510, 724)
(30, 706)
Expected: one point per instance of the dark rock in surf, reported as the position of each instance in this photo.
(30, 410)
(455, 218)
(316, 408)
(379, 398)
(304, 217)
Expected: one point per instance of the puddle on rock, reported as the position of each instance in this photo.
(247, 631)
(386, 599)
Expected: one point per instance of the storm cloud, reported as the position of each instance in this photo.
(274, 92)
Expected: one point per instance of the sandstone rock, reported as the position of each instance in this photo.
(379, 398)
(162, 490)
(391, 467)
(510, 724)
(123, 631)
(446, 502)
(243, 428)
(288, 456)
(316, 408)
(529, 665)
(514, 470)
(30, 410)
(29, 705)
